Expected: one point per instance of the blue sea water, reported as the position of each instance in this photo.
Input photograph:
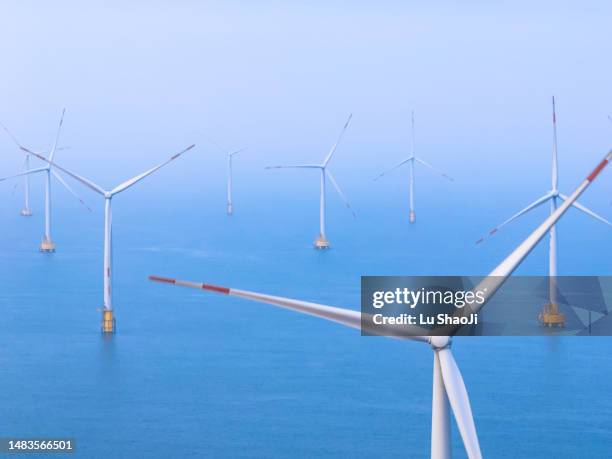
(193, 374)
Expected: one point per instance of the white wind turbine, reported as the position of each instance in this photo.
(26, 211)
(449, 391)
(108, 320)
(26, 172)
(321, 242)
(47, 244)
(411, 160)
(230, 155)
(550, 314)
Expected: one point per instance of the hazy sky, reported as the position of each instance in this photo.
(139, 81)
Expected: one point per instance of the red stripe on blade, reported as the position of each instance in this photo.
(167, 280)
(597, 170)
(216, 288)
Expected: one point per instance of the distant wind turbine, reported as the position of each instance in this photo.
(230, 155)
(108, 320)
(550, 315)
(26, 211)
(321, 242)
(411, 160)
(26, 172)
(448, 385)
(47, 244)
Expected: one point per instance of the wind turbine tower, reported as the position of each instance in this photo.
(26, 211)
(230, 156)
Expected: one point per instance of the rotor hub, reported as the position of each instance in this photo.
(438, 343)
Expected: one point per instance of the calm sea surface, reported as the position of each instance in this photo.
(196, 374)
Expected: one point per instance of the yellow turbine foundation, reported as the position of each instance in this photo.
(108, 321)
(321, 243)
(551, 317)
(47, 245)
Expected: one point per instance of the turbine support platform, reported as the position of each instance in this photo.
(230, 209)
(551, 317)
(412, 216)
(47, 246)
(321, 243)
(25, 212)
(108, 321)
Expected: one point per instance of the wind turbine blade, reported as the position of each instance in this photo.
(212, 141)
(346, 317)
(401, 163)
(460, 402)
(128, 183)
(57, 135)
(587, 211)
(498, 276)
(10, 134)
(333, 150)
(69, 188)
(425, 163)
(531, 206)
(83, 180)
(237, 151)
(342, 196)
(296, 166)
(555, 168)
(21, 174)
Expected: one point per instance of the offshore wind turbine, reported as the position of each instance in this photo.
(411, 161)
(550, 314)
(321, 242)
(26, 172)
(47, 245)
(230, 155)
(108, 319)
(449, 391)
(26, 211)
